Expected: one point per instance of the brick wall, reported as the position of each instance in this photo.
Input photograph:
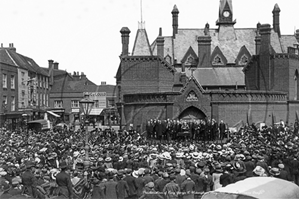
(251, 75)
(145, 74)
(293, 65)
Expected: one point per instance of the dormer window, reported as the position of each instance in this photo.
(189, 60)
(244, 60)
(217, 60)
(168, 59)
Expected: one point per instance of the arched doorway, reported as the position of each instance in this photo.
(192, 113)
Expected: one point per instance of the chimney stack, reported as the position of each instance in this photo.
(257, 44)
(11, 47)
(175, 13)
(160, 44)
(50, 63)
(276, 25)
(103, 83)
(204, 51)
(125, 40)
(266, 75)
(55, 65)
(82, 76)
(265, 32)
(297, 35)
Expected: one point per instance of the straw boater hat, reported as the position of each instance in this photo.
(135, 173)
(274, 171)
(258, 170)
(238, 167)
(2, 172)
(179, 155)
(108, 159)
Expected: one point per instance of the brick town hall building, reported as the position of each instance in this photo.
(224, 73)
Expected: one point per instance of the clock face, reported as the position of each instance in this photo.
(226, 14)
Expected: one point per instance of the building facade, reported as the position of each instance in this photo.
(228, 73)
(67, 91)
(24, 88)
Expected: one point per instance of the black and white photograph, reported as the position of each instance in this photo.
(149, 99)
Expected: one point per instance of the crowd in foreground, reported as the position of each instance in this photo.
(129, 165)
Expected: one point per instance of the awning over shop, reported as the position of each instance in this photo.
(54, 114)
(96, 111)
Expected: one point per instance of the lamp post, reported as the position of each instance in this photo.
(86, 106)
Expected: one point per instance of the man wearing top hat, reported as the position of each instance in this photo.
(63, 181)
(29, 181)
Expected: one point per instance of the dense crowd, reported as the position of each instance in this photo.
(199, 130)
(128, 164)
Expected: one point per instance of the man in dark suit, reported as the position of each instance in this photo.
(131, 184)
(222, 128)
(63, 181)
(110, 188)
(149, 130)
(29, 181)
(122, 187)
(188, 188)
(159, 130)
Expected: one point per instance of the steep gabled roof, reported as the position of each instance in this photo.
(6, 58)
(11, 57)
(287, 41)
(194, 80)
(230, 48)
(141, 44)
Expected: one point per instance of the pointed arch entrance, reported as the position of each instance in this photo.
(191, 113)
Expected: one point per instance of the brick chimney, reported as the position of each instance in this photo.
(276, 25)
(257, 44)
(76, 75)
(50, 62)
(297, 34)
(125, 40)
(204, 51)
(266, 78)
(55, 65)
(265, 32)
(82, 76)
(103, 83)
(11, 47)
(175, 13)
(160, 44)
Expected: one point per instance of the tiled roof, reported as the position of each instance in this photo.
(6, 58)
(221, 76)
(80, 86)
(230, 48)
(287, 41)
(13, 58)
(75, 86)
(141, 44)
(168, 50)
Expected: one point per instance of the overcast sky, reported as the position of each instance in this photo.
(83, 35)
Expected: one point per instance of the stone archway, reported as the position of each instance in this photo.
(191, 113)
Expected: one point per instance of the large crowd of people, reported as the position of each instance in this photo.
(155, 164)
